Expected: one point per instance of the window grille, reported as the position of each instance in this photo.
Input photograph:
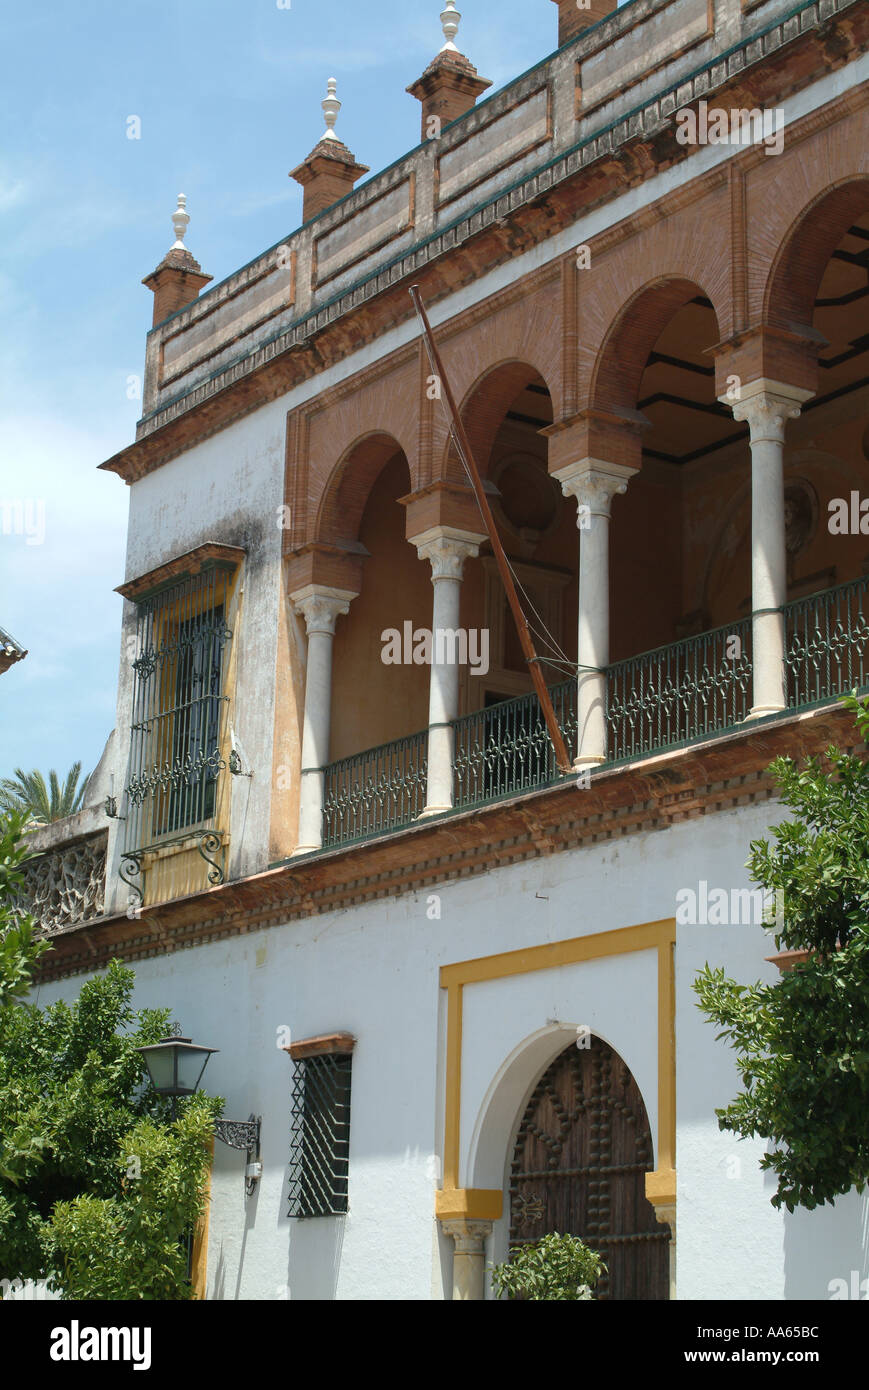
(178, 703)
(320, 1135)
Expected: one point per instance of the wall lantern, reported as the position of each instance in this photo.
(175, 1065)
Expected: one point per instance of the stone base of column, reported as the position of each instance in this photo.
(433, 811)
(759, 711)
(661, 1192)
(588, 760)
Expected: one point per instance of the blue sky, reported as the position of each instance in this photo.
(228, 93)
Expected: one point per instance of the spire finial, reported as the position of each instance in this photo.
(331, 106)
(450, 23)
(180, 219)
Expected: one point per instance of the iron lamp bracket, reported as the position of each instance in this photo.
(244, 1134)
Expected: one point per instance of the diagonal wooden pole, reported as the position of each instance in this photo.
(463, 445)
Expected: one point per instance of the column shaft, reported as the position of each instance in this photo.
(320, 608)
(767, 413)
(447, 549)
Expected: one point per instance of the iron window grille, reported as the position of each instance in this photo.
(179, 704)
(320, 1135)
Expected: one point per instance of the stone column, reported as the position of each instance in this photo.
(447, 549)
(320, 607)
(593, 483)
(469, 1259)
(767, 412)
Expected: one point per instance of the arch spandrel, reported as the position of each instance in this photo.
(621, 360)
(344, 499)
(804, 248)
(483, 408)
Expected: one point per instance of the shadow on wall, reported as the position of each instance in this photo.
(827, 1251)
(315, 1258)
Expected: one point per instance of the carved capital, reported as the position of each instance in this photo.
(766, 415)
(447, 550)
(594, 483)
(322, 607)
(468, 1235)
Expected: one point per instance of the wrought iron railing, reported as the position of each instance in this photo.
(826, 637)
(506, 748)
(380, 789)
(660, 699)
(701, 685)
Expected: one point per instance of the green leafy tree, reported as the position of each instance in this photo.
(20, 948)
(802, 1043)
(556, 1267)
(28, 792)
(71, 1090)
(133, 1245)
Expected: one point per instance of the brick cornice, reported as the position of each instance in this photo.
(651, 794)
(547, 199)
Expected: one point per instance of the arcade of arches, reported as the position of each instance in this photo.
(679, 443)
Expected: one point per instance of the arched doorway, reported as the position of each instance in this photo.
(579, 1163)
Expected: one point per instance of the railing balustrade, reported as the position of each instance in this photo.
(660, 699)
(506, 749)
(826, 637)
(375, 791)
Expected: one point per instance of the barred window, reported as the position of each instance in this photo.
(178, 707)
(320, 1133)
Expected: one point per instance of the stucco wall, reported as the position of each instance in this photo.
(373, 970)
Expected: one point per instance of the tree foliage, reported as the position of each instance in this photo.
(20, 948)
(556, 1267)
(133, 1245)
(71, 1091)
(42, 803)
(802, 1043)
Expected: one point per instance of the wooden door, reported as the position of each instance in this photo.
(579, 1165)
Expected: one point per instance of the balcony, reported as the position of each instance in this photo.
(689, 691)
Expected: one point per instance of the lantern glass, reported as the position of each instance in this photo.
(175, 1065)
(191, 1064)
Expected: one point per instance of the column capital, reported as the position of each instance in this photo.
(322, 606)
(594, 483)
(766, 406)
(468, 1235)
(447, 549)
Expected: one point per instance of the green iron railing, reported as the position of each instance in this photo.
(378, 790)
(506, 748)
(661, 698)
(826, 636)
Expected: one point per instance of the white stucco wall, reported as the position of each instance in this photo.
(229, 488)
(373, 970)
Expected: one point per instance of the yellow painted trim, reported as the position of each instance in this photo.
(661, 1187)
(473, 1203)
(659, 936)
(454, 1085)
(200, 1237)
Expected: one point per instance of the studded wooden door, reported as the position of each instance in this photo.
(579, 1166)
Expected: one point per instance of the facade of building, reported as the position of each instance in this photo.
(455, 983)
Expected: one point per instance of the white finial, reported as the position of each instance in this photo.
(331, 106)
(180, 219)
(450, 23)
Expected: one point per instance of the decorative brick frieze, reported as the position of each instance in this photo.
(650, 794)
(290, 356)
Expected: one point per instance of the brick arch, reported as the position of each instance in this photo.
(483, 411)
(798, 268)
(346, 493)
(624, 351)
